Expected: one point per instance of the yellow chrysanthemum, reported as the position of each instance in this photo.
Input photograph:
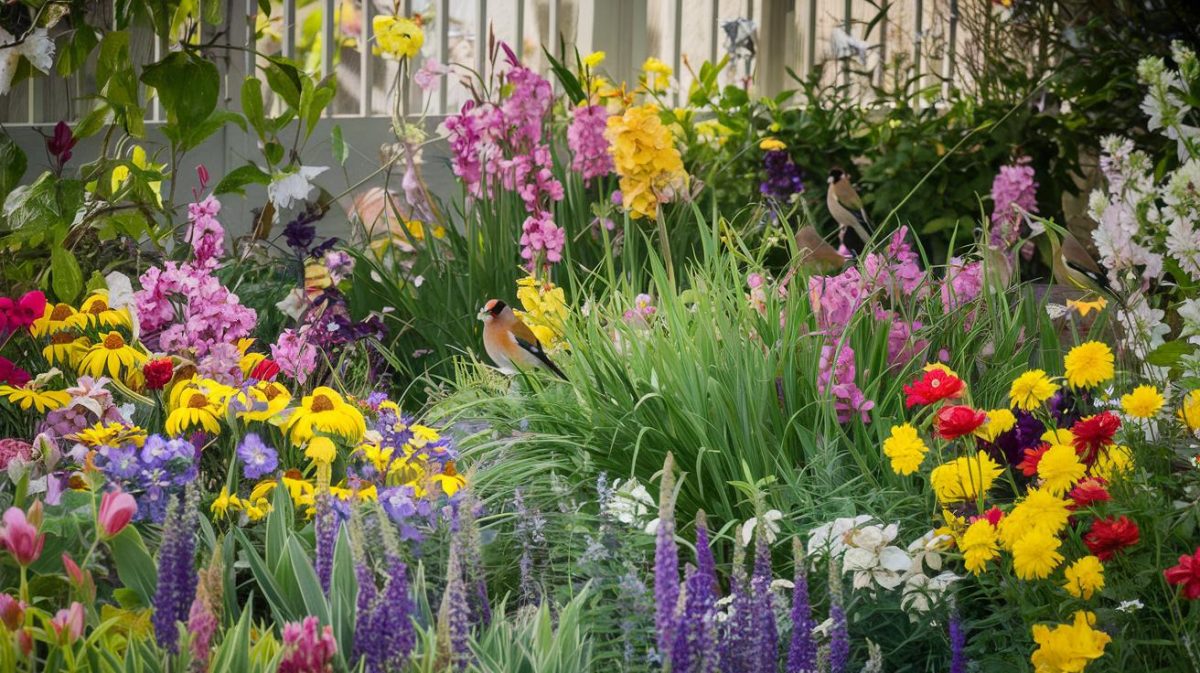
(95, 311)
(1058, 436)
(1084, 577)
(56, 319)
(1059, 468)
(40, 400)
(964, 478)
(325, 411)
(999, 421)
(1189, 410)
(1143, 402)
(397, 37)
(954, 525)
(196, 404)
(112, 355)
(646, 159)
(771, 145)
(1031, 389)
(1036, 555)
(1088, 364)
(1039, 512)
(1068, 648)
(905, 449)
(979, 545)
(1113, 462)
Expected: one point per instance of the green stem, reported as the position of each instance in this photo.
(666, 247)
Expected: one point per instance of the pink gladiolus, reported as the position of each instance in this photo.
(69, 621)
(20, 537)
(116, 511)
(12, 612)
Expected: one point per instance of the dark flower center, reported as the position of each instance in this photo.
(321, 403)
(114, 341)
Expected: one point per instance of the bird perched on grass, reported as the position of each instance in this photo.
(814, 253)
(846, 206)
(510, 343)
(1073, 265)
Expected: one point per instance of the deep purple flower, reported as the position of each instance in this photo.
(666, 560)
(737, 639)
(383, 627)
(695, 646)
(119, 462)
(258, 459)
(802, 652)
(958, 644)
(783, 176)
(839, 635)
(176, 571)
(366, 642)
(300, 232)
(766, 634)
(61, 143)
(1064, 407)
(326, 529)
(1026, 434)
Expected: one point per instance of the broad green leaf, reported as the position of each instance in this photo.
(569, 81)
(77, 50)
(134, 565)
(92, 122)
(66, 278)
(237, 179)
(114, 56)
(197, 134)
(273, 152)
(1170, 353)
(233, 654)
(306, 580)
(252, 106)
(320, 98)
(48, 203)
(187, 85)
(264, 581)
(285, 80)
(341, 151)
(130, 223)
(13, 164)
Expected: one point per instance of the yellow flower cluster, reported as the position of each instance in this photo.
(999, 421)
(1059, 468)
(646, 159)
(979, 545)
(1143, 402)
(905, 449)
(1068, 648)
(397, 37)
(91, 340)
(1030, 531)
(413, 464)
(656, 75)
(1085, 577)
(545, 310)
(1088, 364)
(1031, 389)
(965, 478)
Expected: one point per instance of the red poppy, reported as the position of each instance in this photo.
(1028, 466)
(158, 373)
(1186, 575)
(265, 370)
(933, 386)
(1094, 433)
(1109, 536)
(954, 421)
(1090, 491)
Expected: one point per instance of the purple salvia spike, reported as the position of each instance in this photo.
(666, 560)
(326, 525)
(839, 636)
(736, 641)
(393, 622)
(706, 565)
(176, 571)
(958, 643)
(365, 643)
(766, 634)
(458, 613)
(802, 653)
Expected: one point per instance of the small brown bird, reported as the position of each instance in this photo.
(510, 343)
(815, 253)
(846, 206)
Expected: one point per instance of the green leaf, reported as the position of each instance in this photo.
(317, 102)
(130, 223)
(66, 279)
(76, 52)
(1170, 353)
(252, 106)
(264, 580)
(569, 81)
(134, 564)
(13, 164)
(306, 580)
(283, 76)
(187, 85)
(92, 122)
(233, 654)
(195, 135)
(114, 57)
(341, 151)
(237, 179)
(273, 152)
(47, 203)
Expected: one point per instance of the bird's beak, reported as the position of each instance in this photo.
(829, 180)
(483, 314)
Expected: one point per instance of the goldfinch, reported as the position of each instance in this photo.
(846, 206)
(1073, 265)
(510, 343)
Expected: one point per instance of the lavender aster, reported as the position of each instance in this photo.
(802, 652)
(176, 571)
(666, 559)
(258, 459)
(839, 636)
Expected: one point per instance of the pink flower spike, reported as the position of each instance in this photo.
(116, 511)
(20, 537)
(69, 622)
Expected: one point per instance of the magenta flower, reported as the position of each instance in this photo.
(20, 536)
(12, 612)
(68, 623)
(1014, 190)
(307, 647)
(294, 354)
(587, 142)
(61, 143)
(116, 511)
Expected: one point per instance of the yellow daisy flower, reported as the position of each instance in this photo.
(40, 400)
(56, 319)
(1143, 402)
(325, 411)
(263, 401)
(112, 355)
(66, 349)
(95, 311)
(109, 434)
(1031, 389)
(1084, 577)
(449, 479)
(195, 405)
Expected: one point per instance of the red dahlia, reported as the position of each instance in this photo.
(1089, 491)
(1029, 464)
(158, 373)
(934, 385)
(952, 422)
(1094, 433)
(1186, 575)
(1109, 536)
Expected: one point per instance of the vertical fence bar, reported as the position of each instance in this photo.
(714, 25)
(812, 35)
(520, 37)
(677, 45)
(552, 38)
(883, 31)
(847, 26)
(289, 28)
(481, 33)
(156, 110)
(251, 25)
(328, 25)
(443, 19)
(951, 51)
(366, 65)
(918, 39)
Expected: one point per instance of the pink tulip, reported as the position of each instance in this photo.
(12, 612)
(80, 578)
(20, 537)
(116, 511)
(69, 621)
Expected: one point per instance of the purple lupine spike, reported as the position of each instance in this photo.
(477, 598)
(393, 619)
(958, 643)
(326, 524)
(706, 565)
(802, 652)
(766, 634)
(176, 571)
(666, 560)
(695, 646)
(457, 613)
(839, 636)
(737, 639)
(366, 645)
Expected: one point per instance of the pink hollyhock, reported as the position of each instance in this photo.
(835, 377)
(539, 235)
(963, 283)
(307, 647)
(205, 233)
(588, 145)
(834, 299)
(429, 73)
(296, 357)
(14, 449)
(1014, 190)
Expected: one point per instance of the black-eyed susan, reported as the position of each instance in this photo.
(96, 312)
(66, 349)
(325, 411)
(449, 479)
(263, 401)
(30, 397)
(56, 319)
(112, 355)
(109, 434)
(196, 404)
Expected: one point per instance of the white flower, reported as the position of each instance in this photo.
(296, 186)
(1130, 606)
(926, 550)
(294, 304)
(830, 537)
(769, 523)
(922, 592)
(37, 48)
(845, 45)
(873, 559)
(631, 503)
